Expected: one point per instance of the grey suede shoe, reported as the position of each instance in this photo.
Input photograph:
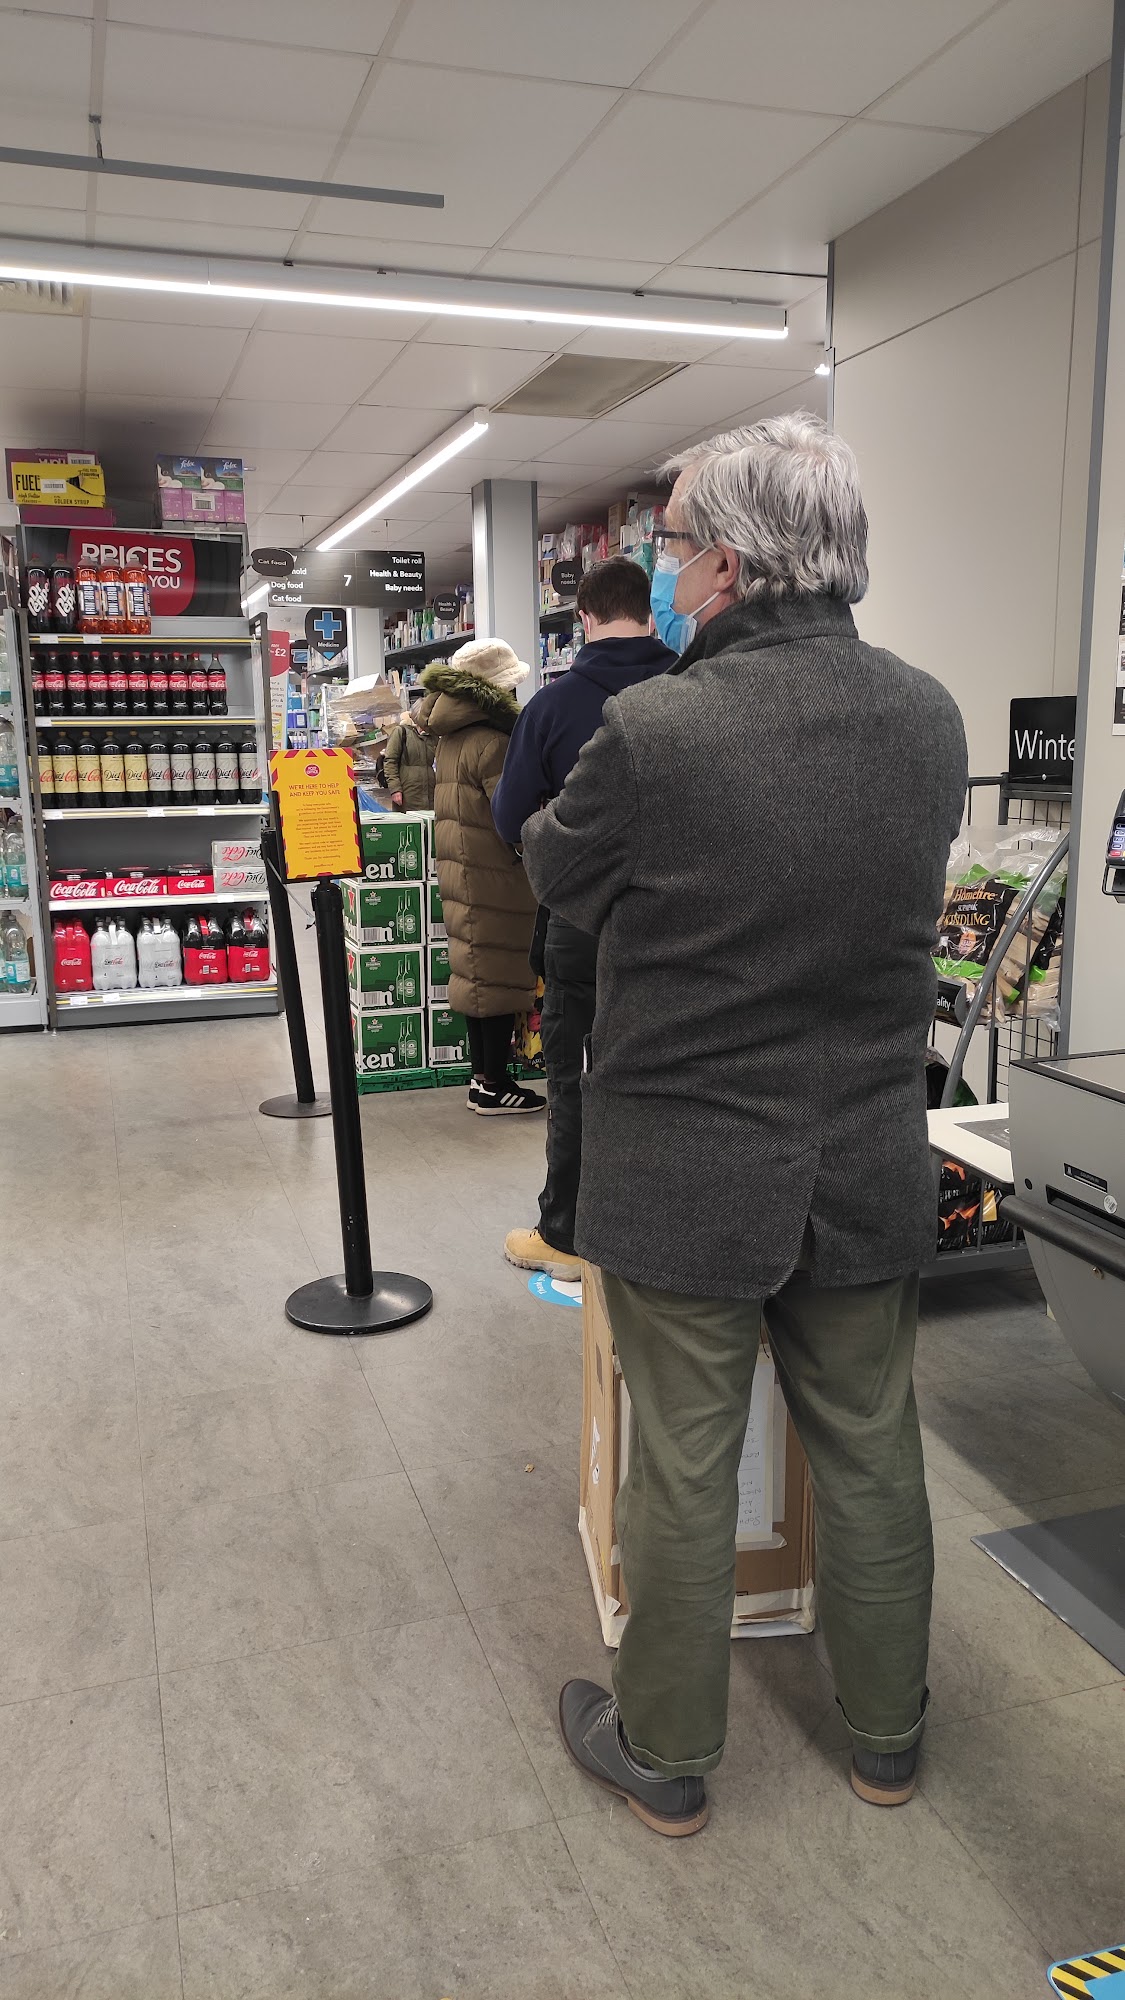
(885, 1777)
(591, 1729)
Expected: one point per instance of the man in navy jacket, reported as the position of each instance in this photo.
(613, 604)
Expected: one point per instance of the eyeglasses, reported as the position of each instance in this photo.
(662, 536)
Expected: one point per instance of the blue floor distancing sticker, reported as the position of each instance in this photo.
(553, 1291)
(1101, 1973)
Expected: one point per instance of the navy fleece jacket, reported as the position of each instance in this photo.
(557, 721)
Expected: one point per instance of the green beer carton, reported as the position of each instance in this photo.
(389, 1043)
(436, 928)
(383, 912)
(449, 1040)
(384, 976)
(438, 956)
(393, 846)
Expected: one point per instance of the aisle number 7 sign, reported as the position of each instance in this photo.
(316, 810)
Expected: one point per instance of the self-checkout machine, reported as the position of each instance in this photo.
(1059, 1142)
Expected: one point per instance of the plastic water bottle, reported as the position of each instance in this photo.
(99, 956)
(121, 959)
(146, 954)
(14, 957)
(9, 769)
(13, 861)
(167, 963)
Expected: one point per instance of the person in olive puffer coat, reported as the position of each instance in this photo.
(409, 764)
(470, 709)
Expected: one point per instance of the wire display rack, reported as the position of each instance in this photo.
(1014, 1031)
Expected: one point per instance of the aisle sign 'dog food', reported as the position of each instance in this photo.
(315, 791)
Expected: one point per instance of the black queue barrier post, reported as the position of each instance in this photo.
(306, 1103)
(362, 1300)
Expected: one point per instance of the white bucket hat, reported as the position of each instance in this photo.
(491, 660)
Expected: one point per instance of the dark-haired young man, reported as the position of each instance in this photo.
(613, 604)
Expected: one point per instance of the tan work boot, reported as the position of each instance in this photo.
(530, 1252)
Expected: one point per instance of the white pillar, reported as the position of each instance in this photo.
(506, 569)
(365, 641)
(1093, 994)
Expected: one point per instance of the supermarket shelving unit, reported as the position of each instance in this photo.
(164, 839)
(27, 1008)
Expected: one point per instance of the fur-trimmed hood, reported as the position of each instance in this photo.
(457, 699)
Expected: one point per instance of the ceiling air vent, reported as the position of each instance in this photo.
(584, 385)
(17, 295)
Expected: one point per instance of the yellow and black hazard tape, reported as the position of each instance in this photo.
(1077, 1978)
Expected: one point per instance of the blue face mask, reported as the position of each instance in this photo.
(676, 628)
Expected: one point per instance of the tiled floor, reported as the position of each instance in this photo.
(284, 1618)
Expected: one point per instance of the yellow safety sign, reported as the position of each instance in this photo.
(42, 484)
(1101, 1973)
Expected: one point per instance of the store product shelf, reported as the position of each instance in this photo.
(126, 642)
(20, 1009)
(104, 903)
(16, 904)
(165, 996)
(567, 614)
(428, 649)
(150, 812)
(177, 721)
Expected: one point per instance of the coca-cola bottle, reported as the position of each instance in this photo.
(89, 771)
(158, 685)
(135, 758)
(137, 605)
(38, 688)
(226, 772)
(54, 684)
(77, 686)
(64, 597)
(113, 597)
(118, 682)
(197, 686)
(138, 684)
(65, 764)
(113, 771)
(203, 770)
(46, 763)
(249, 771)
(89, 589)
(37, 597)
(98, 681)
(159, 771)
(177, 685)
(183, 781)
(216, 687)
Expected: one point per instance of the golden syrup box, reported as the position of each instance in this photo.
(774, 1561)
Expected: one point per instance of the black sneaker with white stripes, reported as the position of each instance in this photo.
(502, 1100)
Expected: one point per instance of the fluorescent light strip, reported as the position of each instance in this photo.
(448, 298)
(437, 454)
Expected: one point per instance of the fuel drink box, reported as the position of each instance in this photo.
(438, 966)
(435, 915)
(449, 1040)
(774, 1542)
(383, 912)
(384, 977)
(389, 1044)
(393, 848)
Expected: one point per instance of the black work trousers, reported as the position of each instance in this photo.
(568, 1016)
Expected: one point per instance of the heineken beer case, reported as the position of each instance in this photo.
(393, 847)
(390, 1043)
(383, 912)
(383, 977)
(449, 1040)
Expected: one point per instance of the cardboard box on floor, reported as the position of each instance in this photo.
(774, 1562)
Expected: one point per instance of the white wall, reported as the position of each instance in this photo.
(964, 319)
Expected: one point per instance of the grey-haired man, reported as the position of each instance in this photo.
(760, 844)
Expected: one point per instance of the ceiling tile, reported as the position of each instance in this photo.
(807, 55)
(326, 246)
(744, 154)
(242, 239)
(591, 43)
(424, 377)
(266, 468)
(238, 427)
(180, 203)
(515, 336)
(695, 276)
(487, 143)
(44, 85)
(43, 201)
(811, 394)
(705, 394)
(284, 531)
(39, 352)
(781, 357)
(153, 309)
(808, 318)
(376, 427)
(602, 444)
(341, 322)
(40, 419)
(517, 438)
(1020, 54)
(337, 469)
(309, 367)
(256, 108)
(861, 169)
(183, 418)
(554, 268)
(638, 346)
(336, 24)
(147, 361)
